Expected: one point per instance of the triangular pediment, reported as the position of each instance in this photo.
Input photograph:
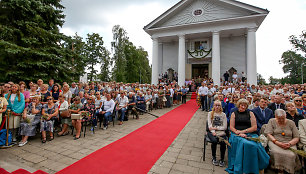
(201, 11)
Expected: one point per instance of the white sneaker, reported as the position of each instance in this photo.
(104, 128)
(22, 143)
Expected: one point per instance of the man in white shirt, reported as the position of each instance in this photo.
(108, 107)
(225, 91)
(203, 92)
(231, 89)
(73, 89)
(122, 106)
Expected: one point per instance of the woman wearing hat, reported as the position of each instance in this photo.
(31, 118)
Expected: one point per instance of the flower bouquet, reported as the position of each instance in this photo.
(260, 140)
(44, 117)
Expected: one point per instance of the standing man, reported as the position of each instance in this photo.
(184, 93)
(226, 76)
(203, 92)
(243, 77)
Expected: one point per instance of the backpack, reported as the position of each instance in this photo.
(3, 137)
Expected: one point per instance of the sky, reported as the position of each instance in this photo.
(286, 18)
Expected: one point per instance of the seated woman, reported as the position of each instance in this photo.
(49, 111)
(245, 156)
(76, 121)
(298, 102)
(283, 134)
(217, 124)
(44, 93)
(292, 113)
(55, 92)
(141, 103)
(64, 115)
(33, 113)
(88, 107)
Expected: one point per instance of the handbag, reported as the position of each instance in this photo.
(76, 116)
(65, 113)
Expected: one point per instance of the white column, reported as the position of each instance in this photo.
(216, 57)
(154, 78)
(181, 60)
(251, 57)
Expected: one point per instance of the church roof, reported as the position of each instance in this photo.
(187, 12)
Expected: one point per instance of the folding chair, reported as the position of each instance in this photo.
(114, 114)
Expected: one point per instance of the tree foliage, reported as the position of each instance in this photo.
(261, 80)
(294, 63)
(120, 40)
(31, 45)
(131, 64)
(95, 54)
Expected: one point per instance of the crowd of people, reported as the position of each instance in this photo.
(240, 112)
(54, 108)
(236, 111)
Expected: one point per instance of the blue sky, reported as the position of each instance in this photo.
(87, 16)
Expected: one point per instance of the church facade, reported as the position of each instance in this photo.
(206, 38)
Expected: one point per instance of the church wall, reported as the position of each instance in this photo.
(233, 54)
(170, 56)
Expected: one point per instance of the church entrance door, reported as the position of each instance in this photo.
(200, 70)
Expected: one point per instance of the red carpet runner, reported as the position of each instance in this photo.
(138, 151)
(193, 95)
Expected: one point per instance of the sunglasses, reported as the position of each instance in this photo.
(89, 99)
(6, 86)
(298, 100)
(49, 99)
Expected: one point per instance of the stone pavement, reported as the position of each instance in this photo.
(64, 151)
(184, 155)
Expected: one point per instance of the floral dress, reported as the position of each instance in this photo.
(29, 128)
(47, 125)
(91, 109)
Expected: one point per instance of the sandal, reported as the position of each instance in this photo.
(76, 138)
(65, 133)
(51, 138)
(44, 140)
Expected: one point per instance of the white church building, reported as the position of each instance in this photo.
(206, 38)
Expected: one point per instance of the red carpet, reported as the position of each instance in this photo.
(193, 95)
(138, 151)
(21, 171)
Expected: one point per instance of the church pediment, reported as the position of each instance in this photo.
(201, 11)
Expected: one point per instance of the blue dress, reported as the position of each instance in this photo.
(245, 156)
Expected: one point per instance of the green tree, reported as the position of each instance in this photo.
(78, 58)
(31, 45)
(104, 74)
(95, 54)
(299, 43)
(261, 80)
(120, 40)
(273, 80)
(294, 63)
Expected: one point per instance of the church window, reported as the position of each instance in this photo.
(198, 12)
